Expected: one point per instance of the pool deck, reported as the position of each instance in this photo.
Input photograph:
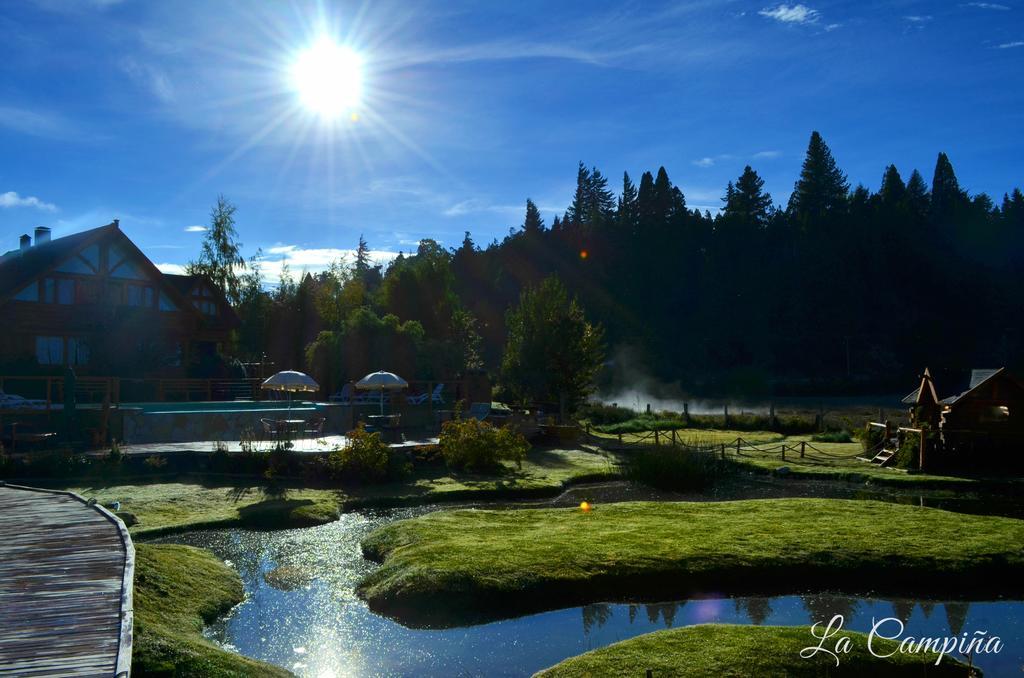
(301, 446)
(66, 571)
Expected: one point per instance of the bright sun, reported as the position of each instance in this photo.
(328, 78)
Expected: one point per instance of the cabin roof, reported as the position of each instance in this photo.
(18, 268)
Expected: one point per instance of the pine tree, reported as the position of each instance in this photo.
(645, 200)
(746, 201)
(577, 212)
(893, 190)
(362, 265)
(533, 223)
(918, 199)
(628, 212)
(821, 191)
(947, 197)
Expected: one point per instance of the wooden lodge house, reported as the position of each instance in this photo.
(980, 425)
(93, 301)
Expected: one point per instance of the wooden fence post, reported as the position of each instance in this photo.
(738, 446)
(620, 439)
(726, 415)
(686, 413)
(657, 441)
(920, 454)
(723, 450)
(783, 451)
(673, 432)
(803, 448)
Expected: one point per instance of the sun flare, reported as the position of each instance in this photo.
(328, 78)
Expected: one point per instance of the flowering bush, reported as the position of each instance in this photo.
(472, 444)
(365, 457)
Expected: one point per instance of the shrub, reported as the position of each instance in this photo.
(601, 414)
(365, 457)
(678, 469)
(476, 445)
(833, 437)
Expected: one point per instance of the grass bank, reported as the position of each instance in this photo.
(188, 502)
(178, 589)
(462, 566)
(740, 651)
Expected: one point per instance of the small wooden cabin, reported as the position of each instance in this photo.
(981, 423)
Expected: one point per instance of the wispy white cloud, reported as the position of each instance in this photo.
(38, 123)
(918, 18)
(1011, 45)
(311, 260)
(195, 229)
(150, 78)
(711, 161)
(832, 27)
(792, 14)
(704, 162)
(767, 155)
(12, 199)
(988, 5)
(476, 205)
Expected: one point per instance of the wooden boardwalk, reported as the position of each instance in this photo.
(66, 570)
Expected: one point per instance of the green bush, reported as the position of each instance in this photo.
(601, 414)
(476, 445)
(364, 458)
(833, 437)
(678, 469)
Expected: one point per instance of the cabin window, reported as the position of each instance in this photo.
(50, 350)
(138, 295)
(91, 255)
(206, 307)
(166, 304)
(30, 293)
(75, 265)
(78, 351)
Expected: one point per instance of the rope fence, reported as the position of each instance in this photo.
(804, 451)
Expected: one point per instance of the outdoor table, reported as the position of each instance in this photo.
(285, 427)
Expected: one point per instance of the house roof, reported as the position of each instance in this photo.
(977, 378)
(18, 268)
(964, 383)
(184, 284)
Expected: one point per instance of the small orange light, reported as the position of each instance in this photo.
(585, 506)
(583, 254)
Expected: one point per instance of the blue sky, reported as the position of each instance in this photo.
(145, 111)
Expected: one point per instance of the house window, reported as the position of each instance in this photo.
(137, 295)
(50, 350)
(206, 307)
(30, 293)
(78, 351)
(166, 304)
(58, 290)
(86, 292)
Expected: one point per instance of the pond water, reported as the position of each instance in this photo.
(302, 613)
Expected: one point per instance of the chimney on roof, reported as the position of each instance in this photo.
(25, 242)
(42, 235)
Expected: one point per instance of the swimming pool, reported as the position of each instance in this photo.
(204, 421)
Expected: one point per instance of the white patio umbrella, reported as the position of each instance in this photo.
(291, 382)
(382, 381)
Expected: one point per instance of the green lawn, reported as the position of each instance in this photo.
(741, 651)
(183, 504)
(177, 590)
(823, 461)
(474, 565)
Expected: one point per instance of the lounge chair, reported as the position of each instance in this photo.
(347, 396)
(10, 401)
(480, 410)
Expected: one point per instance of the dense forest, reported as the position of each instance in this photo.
(840, 290)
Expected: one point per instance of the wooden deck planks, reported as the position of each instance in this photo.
(66, 570)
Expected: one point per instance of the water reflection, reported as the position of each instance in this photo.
(302, 613)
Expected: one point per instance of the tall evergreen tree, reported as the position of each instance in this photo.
(362, 264)
(628, 212)
(532, 223)
(918, 198)
(947, 197)
(746, 201)
(821, 191)
(893, 190)
(578, 210)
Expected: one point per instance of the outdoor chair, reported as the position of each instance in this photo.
(480, 411)
(269, 426)
(315, 426)
(346, 396)
(10, 401)
(435, 397)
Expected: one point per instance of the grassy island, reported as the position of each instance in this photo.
(728, 650)
(474, 565)
(177, 590)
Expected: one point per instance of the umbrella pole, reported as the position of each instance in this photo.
(382, 401)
